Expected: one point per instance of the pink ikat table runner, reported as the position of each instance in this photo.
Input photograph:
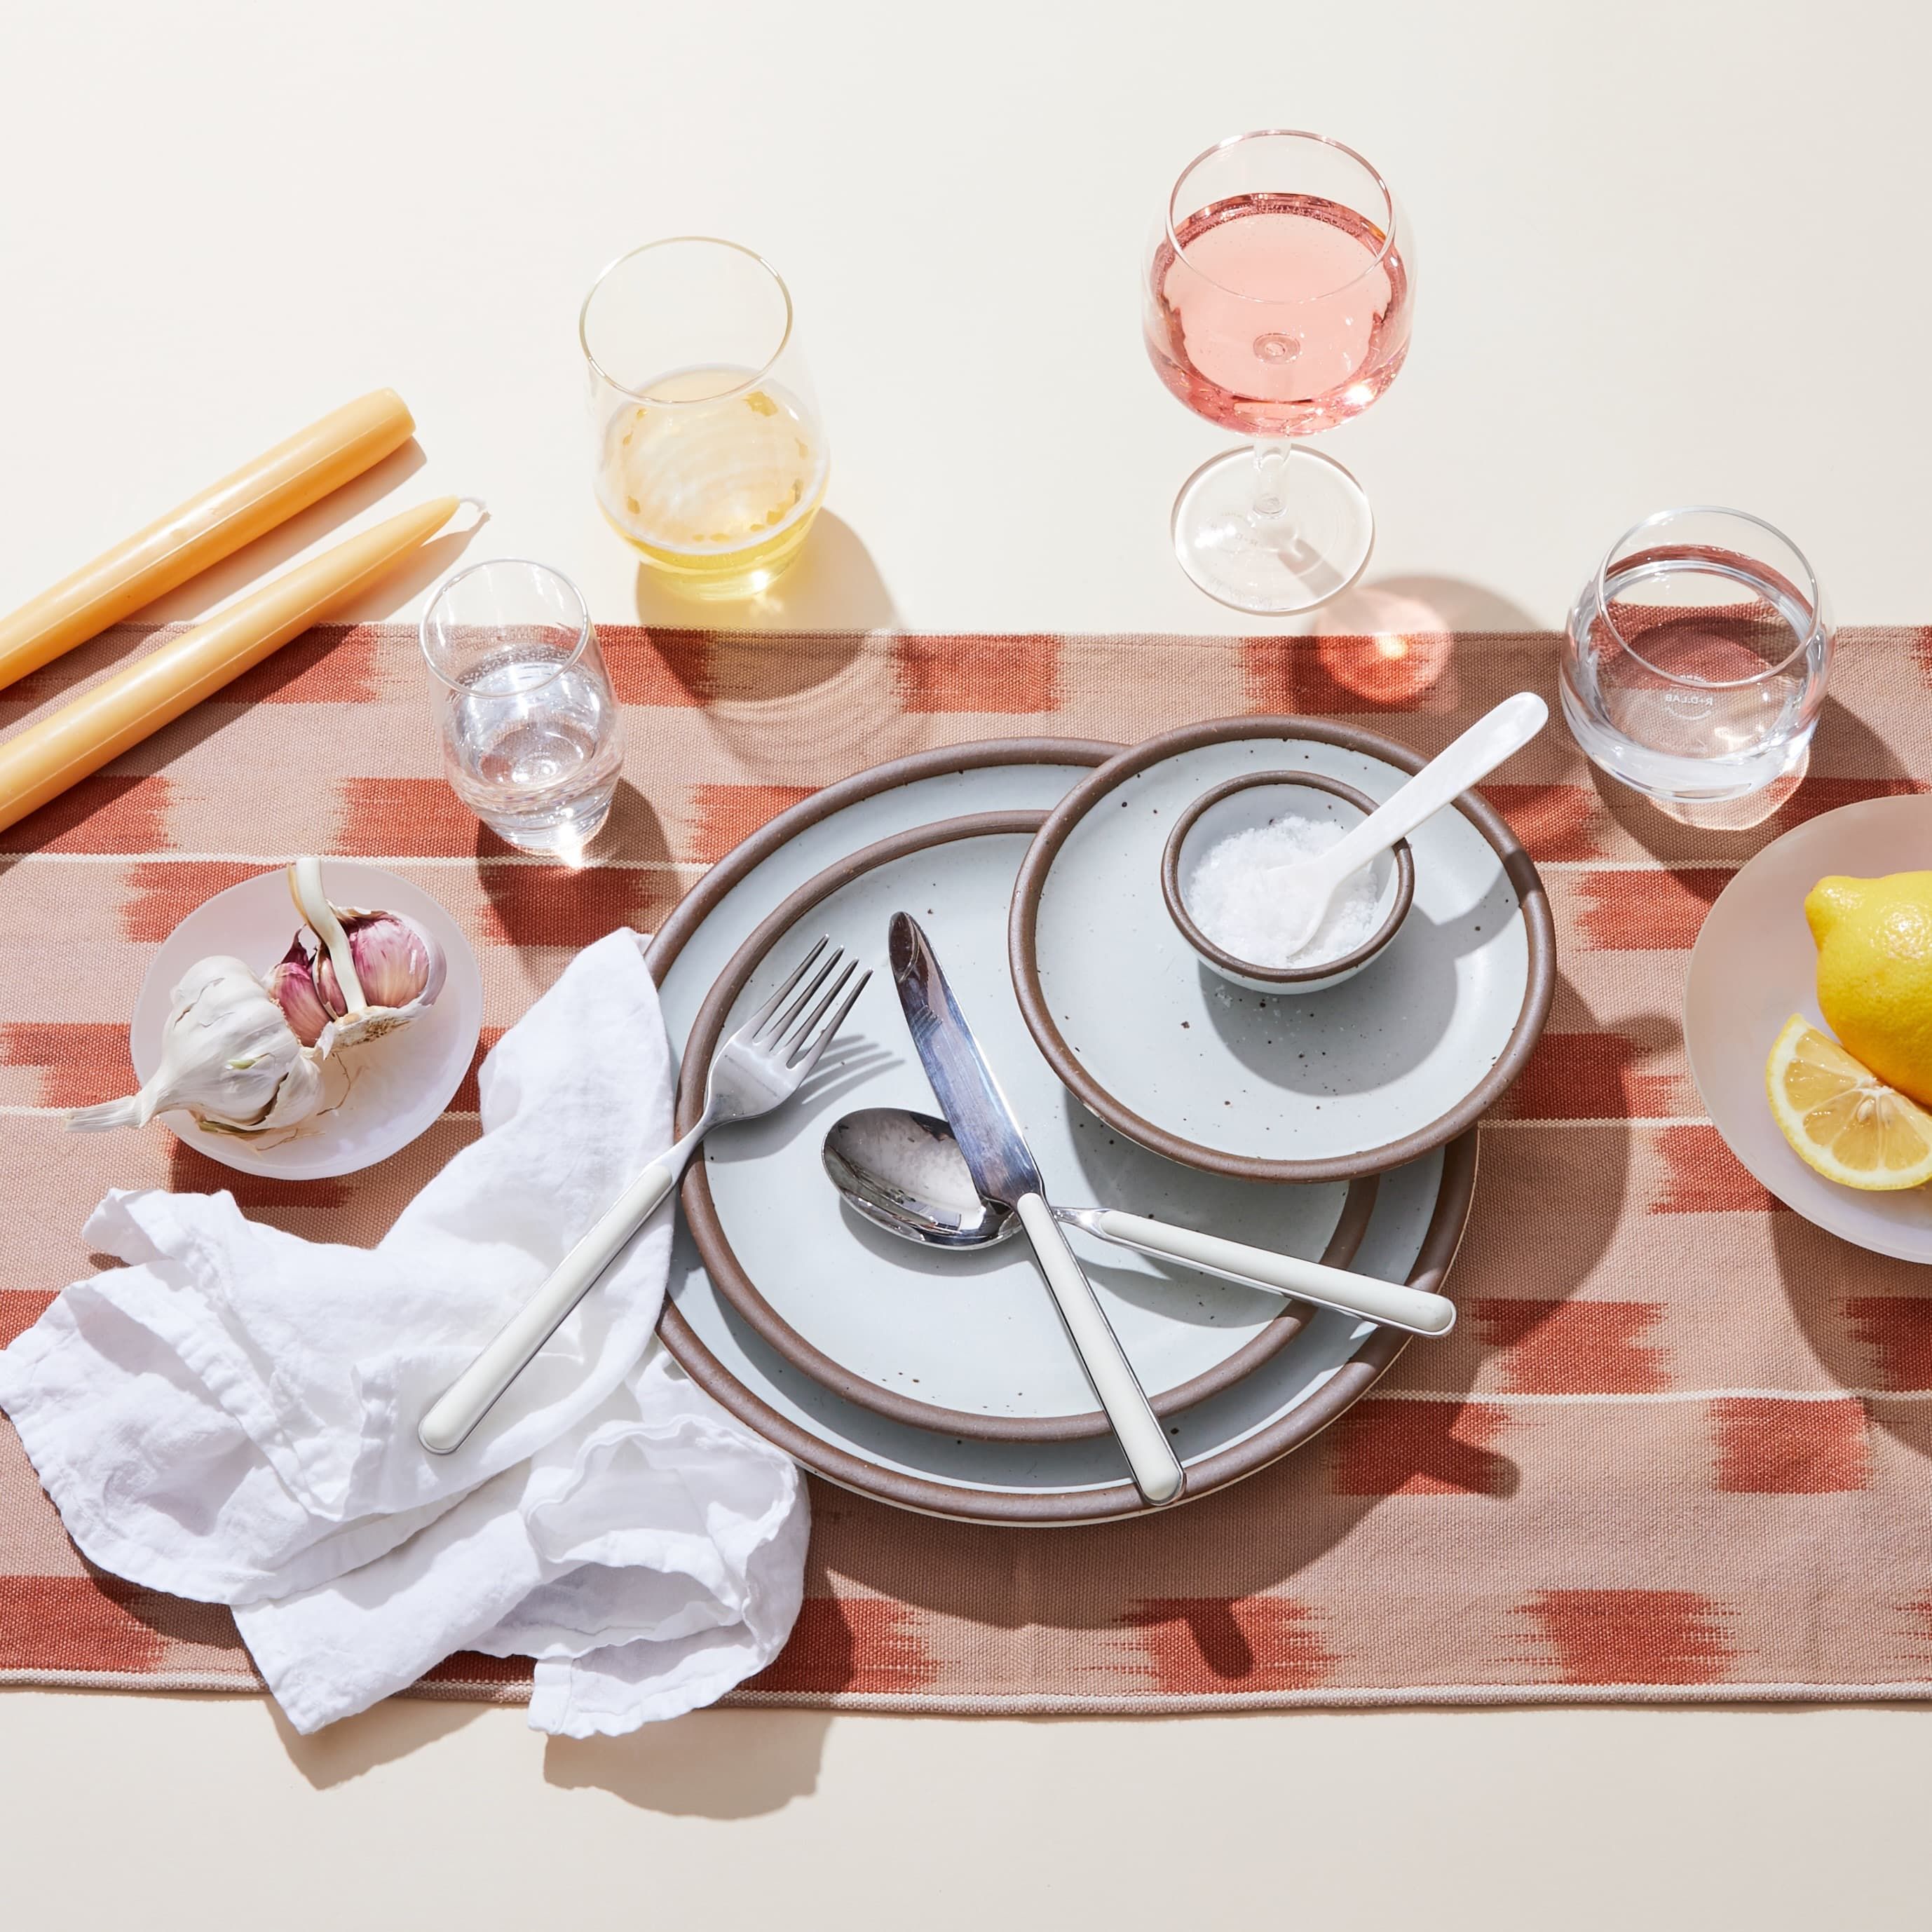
(1678, 1447)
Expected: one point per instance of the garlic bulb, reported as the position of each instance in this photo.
(229, 1057)
(371, 972)
(245, 1055)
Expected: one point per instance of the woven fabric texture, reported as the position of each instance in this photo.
(1677, 1448)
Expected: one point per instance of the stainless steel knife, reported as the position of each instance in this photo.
(1004, 1172)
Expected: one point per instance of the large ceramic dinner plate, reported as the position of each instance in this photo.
(1754, 965)
(1418, 1216)
(969, 1343)
(1402, 1058)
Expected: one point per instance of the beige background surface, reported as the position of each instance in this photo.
(1669, 252)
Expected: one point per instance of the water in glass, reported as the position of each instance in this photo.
(1695, 663)
(532, 750)
(531, 740)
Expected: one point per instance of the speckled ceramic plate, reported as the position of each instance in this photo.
(969, 1343)
(1755, 965)
(1419, 1213)
(1348, 1081)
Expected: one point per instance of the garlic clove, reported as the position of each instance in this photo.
(394, 962)
(292, 985)
(374, 971)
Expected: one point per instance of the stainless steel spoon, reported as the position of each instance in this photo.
(903, 1172)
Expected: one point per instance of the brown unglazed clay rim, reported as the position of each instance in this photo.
(966, 1502)
(1023, 926)
(727, 1272)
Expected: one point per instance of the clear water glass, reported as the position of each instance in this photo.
(531, 738)
(1694, 667)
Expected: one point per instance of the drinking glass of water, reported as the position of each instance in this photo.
(530, 732)
(1694, 667)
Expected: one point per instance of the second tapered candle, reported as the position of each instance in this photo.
(39, 763)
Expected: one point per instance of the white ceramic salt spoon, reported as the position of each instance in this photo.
(1493, 738)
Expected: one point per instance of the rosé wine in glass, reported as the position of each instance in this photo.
(1280, 295)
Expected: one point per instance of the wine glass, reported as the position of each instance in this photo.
(1280, 287)
(706, 448)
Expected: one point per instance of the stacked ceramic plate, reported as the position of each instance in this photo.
(1338, 1126)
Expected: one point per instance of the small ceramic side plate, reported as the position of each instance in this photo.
(1754, 965)
(1279, 1086)
(402, 1082)
(1246, 805)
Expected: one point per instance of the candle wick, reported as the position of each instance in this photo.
(481, 509)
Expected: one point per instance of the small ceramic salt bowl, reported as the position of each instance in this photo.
(1244, 804)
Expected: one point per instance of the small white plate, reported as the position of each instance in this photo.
(1753, 966)
(1323, 1086)
(403, 1080)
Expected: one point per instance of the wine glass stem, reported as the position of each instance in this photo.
(1270, 468)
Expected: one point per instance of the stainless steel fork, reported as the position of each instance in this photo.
(760, 1067)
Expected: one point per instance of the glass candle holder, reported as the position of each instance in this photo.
(531, 738)
(1695, 661)
(706, 449)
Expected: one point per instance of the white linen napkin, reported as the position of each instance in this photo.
(232, 1416)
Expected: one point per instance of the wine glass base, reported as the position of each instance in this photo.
(1274, 566)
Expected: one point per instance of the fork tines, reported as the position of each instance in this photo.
(778, 1025)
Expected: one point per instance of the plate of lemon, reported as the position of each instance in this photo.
(1807, 1020)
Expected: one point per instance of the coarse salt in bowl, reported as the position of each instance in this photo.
(1226, 874)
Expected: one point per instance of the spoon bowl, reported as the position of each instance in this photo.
(903, 1172)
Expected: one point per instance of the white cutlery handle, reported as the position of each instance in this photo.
(1388, 1302)
(1497, 734)
(1156, 1470)
(467, 1399)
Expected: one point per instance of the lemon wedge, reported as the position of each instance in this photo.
(1842, 1119)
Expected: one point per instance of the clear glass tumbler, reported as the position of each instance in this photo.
(1695, 663)
(706, 447)
(531, 742)
(1278, 294)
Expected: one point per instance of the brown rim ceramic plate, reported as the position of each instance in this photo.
(1419, 1214)
(1316, 1086)
(966, 1343)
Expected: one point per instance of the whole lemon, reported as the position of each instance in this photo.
(1874, 940)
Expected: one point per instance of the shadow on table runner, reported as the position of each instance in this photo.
(1677, 1447)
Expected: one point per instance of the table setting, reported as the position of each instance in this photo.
(1323, 1166)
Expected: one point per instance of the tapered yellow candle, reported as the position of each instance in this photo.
(278, 484)
(40, 762)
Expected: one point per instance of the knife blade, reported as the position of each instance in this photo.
(1002, 1164)
(1004, 1172)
